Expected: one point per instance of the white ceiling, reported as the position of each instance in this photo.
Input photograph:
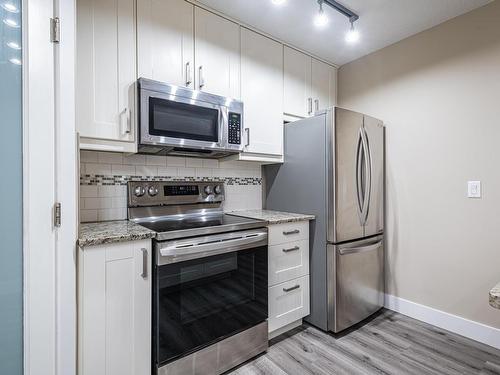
(381, 22)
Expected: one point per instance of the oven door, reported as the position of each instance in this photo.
(170, 120)
(206, 289)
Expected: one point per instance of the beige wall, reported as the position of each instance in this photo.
(439, 94)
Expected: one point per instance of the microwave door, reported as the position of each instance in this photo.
(169, 120)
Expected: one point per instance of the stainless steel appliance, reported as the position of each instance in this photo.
(210, 304)
(180, 121)
(334, 168)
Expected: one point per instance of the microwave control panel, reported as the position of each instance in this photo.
(234, 131)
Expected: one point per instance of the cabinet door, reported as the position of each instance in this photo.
(297, 95)
(106, 69)
(323, 85)
(262, 92)
(217, 54)
(165, 41)
(115, 309)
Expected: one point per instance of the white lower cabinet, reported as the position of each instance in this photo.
(114, 309)
(288, 275)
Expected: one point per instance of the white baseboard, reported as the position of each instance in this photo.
(453, 323)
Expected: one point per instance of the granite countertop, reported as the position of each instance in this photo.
(273, 217)
(112, 231)
(495, 296)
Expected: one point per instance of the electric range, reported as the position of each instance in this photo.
(210, 282)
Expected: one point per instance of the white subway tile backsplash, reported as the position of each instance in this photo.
(176, 161)
(121, 169)
(135, 159)
(109, 158)
(167, 171)
(102, 200)
(146, 170)
(186, 172)
(194, 163)
(156, 160)
(108, 190)
(100, 169)
(210, 163)
(88, 191)
(88, 157)
(88, 215)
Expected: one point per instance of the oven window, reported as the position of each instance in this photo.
(180, 120)
(202, 301)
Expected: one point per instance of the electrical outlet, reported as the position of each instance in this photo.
(474, 189)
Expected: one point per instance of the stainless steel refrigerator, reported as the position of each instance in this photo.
(334, 169)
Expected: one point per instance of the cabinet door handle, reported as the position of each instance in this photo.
(309, 106)
(200, 77)
(292, 288)
(247, 130)
(144, 273)
(295, 248)
(316, 104)
(189, 80)
(287, 233)
(125, 120)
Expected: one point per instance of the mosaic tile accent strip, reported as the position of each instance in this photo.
(88, 179)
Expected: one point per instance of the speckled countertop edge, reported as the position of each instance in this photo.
(273, 217)
(495, 296)
(92, 234)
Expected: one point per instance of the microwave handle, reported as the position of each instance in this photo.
(247, 130)
(201, 79)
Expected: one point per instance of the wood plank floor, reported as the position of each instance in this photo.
(389, 343)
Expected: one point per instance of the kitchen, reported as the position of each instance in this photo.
(206, 190)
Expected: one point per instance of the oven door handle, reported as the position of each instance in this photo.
(177, 251)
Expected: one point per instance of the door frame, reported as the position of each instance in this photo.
(50, 172)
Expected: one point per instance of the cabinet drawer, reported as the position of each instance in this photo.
(288, 261)
(288, 232)
(288, 302)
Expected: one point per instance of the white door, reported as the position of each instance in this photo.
(217, 54)
(106, 69)
(297, 86)
(323, 85)
(115, 309)
(165, 41)
(262, 92)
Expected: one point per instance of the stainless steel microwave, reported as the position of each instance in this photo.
(180, 121)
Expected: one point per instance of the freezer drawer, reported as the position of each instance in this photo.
(356, 285)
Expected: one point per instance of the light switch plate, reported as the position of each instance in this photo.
(474, 189)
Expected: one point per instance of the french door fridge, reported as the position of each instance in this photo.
(334, 169)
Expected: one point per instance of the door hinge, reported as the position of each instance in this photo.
(55, 30)
(57, 214)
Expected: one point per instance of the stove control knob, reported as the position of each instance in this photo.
(152, 191)
(208, 190)
(139, 191)
(217, 189)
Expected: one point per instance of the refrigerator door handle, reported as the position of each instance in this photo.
(360, 249)
(359, 176)
(368, 175)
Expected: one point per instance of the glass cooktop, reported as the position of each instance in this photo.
(177, 227)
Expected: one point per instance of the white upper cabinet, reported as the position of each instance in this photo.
(323, 86)
(217, 54)
(165, 41)
(106, 70)
(297, 87)
(262, 93)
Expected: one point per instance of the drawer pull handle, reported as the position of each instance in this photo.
(292, 288)
(295, 248)
(295, 231)
(144, 273)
